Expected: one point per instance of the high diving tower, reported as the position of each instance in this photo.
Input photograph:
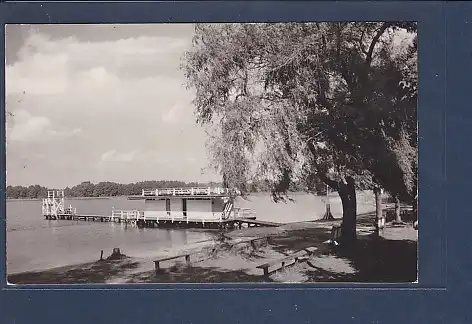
(53, 205)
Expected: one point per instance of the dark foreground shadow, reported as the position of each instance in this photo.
(295, 240)
(196, 275)
(94, 272)
(376, 260)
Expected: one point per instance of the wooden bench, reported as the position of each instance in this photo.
(299, 256)
(157, 262)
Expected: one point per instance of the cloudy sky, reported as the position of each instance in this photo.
(100, 103)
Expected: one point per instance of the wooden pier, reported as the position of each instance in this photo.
(138, 218)
(168, 207)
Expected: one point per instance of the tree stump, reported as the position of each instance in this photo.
(328, 215)
(116, 254)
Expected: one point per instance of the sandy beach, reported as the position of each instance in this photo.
(231, 258)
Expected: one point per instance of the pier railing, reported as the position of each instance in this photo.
(135, 215)
(127, 214)
(200, 191)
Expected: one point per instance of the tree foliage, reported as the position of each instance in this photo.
(305, 101)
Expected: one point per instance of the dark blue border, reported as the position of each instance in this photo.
(426, 302)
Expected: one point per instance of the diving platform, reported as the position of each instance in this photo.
(191, 192)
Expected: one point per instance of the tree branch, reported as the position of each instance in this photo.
(374, 42)
(361, 43)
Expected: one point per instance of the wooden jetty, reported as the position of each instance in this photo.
(138, 218)
(171, 207)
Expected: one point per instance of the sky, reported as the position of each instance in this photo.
(100, 103)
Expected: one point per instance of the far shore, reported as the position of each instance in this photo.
(390, 258)
(331, 194)
(70, 198)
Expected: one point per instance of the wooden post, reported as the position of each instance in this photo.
(283, 265)
(101, 255)
(266, 271)
(187, 260)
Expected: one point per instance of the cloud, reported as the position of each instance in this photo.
(135, 156)
(152, 157)
(172, 115)
(114, 156)
(27, 127)
(48, 66)
(72, 132)
(115, 101)
(24, 127)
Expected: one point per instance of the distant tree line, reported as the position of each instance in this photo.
(101, 189)
(110, 189)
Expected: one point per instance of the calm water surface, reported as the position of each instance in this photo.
(34, 243)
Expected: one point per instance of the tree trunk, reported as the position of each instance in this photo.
(398, 216)
(347, 192)
(415, 208)
(225, 181)
(379, 219)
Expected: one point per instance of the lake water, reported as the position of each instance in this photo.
(34, 243)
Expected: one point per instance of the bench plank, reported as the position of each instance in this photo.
(172, 257)
(299, 256)
(157, 262)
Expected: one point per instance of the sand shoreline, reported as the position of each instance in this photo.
(221, 260)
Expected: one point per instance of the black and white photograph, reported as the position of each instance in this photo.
(211, 153)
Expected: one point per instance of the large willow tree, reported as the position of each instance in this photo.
(306, 101)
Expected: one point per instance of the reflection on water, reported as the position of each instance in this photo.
(34, 243)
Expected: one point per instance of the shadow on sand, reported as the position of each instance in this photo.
(93, 272)
(196, 275)
(375, 259)
(380, 260)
